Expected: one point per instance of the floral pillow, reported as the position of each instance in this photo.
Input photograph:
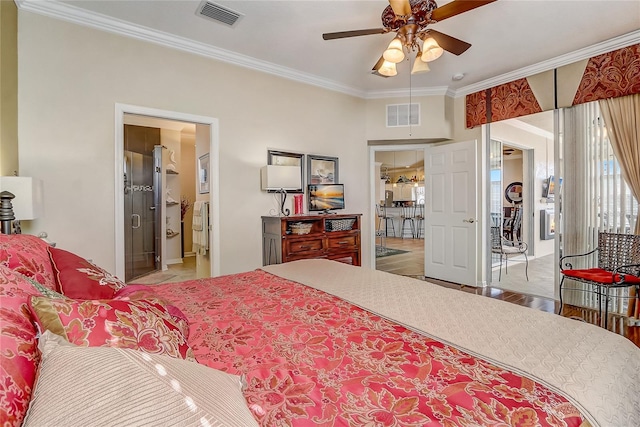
(27, 255)
(138, 292)
(79, 279)
(144, 325)
(19, 356)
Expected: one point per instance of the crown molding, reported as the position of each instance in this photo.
(559, 61)
(403, 93)
(80, 16)
(83, 17)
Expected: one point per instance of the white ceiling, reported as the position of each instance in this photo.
(510, 38)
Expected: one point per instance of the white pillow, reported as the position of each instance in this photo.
(106, 386)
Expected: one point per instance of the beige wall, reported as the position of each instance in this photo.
(8, 88)
(434, 123)
(72, 77)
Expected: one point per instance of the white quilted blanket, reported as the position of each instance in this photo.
(598, 371)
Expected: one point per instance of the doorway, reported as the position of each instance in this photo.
(522, 151)
(399, 189)
(144, 219)
(447, 229)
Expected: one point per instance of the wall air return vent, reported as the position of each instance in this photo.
(218, 13)
(400, 115)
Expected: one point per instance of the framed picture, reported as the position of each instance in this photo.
(322, 170)
(203, 174)
(283, 158)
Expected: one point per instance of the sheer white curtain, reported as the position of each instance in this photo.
(622, 118)
(595, 197)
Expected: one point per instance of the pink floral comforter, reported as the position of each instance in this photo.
(310, 358)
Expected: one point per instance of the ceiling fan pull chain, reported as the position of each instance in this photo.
(410, 98)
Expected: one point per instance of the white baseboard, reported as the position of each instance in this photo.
(174, 261)
(189, 254)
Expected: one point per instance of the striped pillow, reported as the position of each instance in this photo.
(86, 386)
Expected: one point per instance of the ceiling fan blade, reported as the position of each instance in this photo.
(400, 7)
(457, 7)
(354, 33)
(448, 43)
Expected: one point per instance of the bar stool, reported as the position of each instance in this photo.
(419, 219)
(408, 215)
(381, 211)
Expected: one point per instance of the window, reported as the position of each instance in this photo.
(594, 194)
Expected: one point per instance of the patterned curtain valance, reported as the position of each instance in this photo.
(609, 75)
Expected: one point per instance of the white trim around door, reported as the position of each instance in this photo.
(214, 194)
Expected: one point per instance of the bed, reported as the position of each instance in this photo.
(311, 342)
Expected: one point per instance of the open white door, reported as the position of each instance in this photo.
(451, 212)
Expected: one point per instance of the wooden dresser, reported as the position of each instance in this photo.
(330, 236)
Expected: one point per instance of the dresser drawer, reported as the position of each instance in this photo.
(349, 241)
(307, 245)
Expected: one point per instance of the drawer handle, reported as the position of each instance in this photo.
(305, 247)
(343, 243)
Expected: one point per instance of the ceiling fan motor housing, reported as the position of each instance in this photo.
(420, 15)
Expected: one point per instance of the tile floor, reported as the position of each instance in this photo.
(174, 273)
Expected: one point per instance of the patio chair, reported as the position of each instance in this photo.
(512, 226)
(504, 248)
(618, 267)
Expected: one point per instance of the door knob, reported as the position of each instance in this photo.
(470, 220)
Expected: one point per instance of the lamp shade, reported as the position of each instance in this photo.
(419, 66)
(275, 177)
(28, 201)
(388, 69)
(431, 50)
(394, 52)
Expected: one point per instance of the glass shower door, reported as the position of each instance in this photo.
(139, 215)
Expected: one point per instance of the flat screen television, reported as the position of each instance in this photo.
(325, 197)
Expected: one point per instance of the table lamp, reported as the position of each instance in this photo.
(28, 201)
(280, 179)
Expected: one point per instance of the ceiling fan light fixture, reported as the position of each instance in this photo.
(431, 50)
(419, 66)
(394, 52)
(388, 69)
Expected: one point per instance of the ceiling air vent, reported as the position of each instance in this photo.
(401, 115)
(218, 13)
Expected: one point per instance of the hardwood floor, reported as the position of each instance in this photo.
(406, 264)
(412, 264)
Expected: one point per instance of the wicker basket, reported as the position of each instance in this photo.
(301, 228)
(339, 224)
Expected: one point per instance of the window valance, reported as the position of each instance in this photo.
(610, 75)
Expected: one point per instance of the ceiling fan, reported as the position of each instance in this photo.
(409, 19)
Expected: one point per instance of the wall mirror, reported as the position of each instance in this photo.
(513, 193)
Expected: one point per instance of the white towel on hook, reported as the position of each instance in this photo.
(200, 227)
